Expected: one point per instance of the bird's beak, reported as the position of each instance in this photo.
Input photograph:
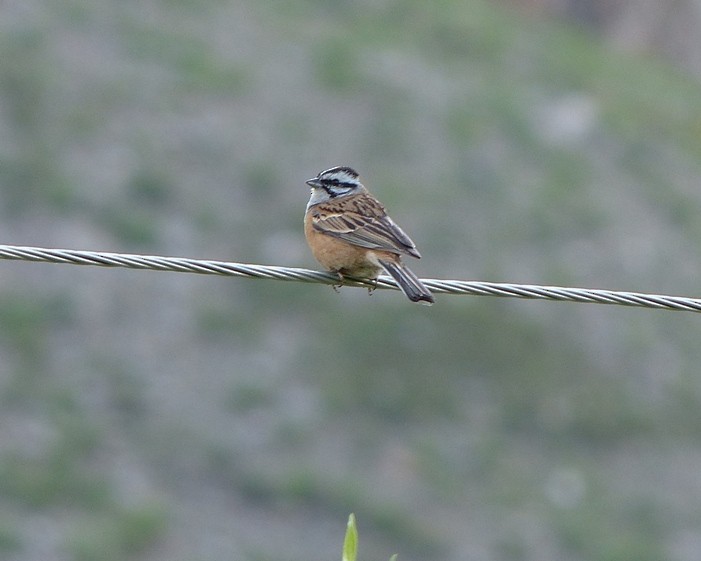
(314, 182)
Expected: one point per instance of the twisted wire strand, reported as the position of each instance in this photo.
(475, 288)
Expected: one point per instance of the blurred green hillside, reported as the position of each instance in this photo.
(169, 417)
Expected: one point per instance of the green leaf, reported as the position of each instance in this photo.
(350, 544)
(393, 558)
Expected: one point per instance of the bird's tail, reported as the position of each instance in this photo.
(408, 282)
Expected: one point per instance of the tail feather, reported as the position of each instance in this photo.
(408, 282)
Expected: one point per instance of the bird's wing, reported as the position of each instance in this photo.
(362, 221)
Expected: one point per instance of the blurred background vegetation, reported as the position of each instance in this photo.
(153, 416)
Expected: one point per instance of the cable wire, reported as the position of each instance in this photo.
(438, 286)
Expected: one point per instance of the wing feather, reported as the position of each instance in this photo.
(362, 221)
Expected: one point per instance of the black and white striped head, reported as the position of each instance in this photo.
(335, 182)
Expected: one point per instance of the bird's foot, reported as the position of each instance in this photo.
(372, 288)
(341, 281)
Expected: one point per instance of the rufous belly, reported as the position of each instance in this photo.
(342, 257)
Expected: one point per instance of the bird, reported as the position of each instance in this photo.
(349, 233)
